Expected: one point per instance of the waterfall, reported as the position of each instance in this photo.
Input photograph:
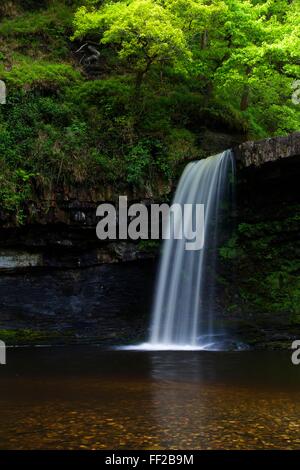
(184, 307)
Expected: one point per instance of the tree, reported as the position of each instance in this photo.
(247, 55)
(142, 30)
(242, 56)
(257, 72)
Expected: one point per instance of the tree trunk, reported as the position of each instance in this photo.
(204, 39)
(138, 84)
(246, 93)
(245, 99)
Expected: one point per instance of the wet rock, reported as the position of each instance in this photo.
(108, 303)
(259, 152)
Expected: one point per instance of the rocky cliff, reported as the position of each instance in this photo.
(62, 284)
(260, 282)
(258, 153)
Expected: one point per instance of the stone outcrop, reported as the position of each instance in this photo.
(259, 152)
(57, 277)
(107, 304)
(59, 225)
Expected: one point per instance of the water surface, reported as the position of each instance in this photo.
(87, 398)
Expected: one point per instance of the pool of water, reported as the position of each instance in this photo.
(88, 398)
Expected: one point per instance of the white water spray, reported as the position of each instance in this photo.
(184, 308)
(184, 312)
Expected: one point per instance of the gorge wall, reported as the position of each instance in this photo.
(262, 296)
(61, 284)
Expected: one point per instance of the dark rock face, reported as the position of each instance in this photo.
(268, 186)
(57, 278)
(259, 152)
(107, 303)
(260, 294)
(55, 275)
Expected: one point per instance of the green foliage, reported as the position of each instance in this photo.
(143, 31)
(231, 250)
(38, 74)
(241, 54)
(27, 336)
(265, 257)
(138, 159)
(58, 15)
(15, 189)
(149, 245)
(167, 70)
(283, 288)
(40, 32)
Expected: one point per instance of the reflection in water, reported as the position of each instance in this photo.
(85, 398)
(173, 398)
(238, 401)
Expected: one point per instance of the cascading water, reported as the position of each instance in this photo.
(184, 308)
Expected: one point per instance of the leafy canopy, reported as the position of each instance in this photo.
(143, 30)
(242, 55)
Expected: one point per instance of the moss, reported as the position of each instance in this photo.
(265, 257)
(231, 250)
(149, 245)
(28, 336)
(49, 20)
(31, 73)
